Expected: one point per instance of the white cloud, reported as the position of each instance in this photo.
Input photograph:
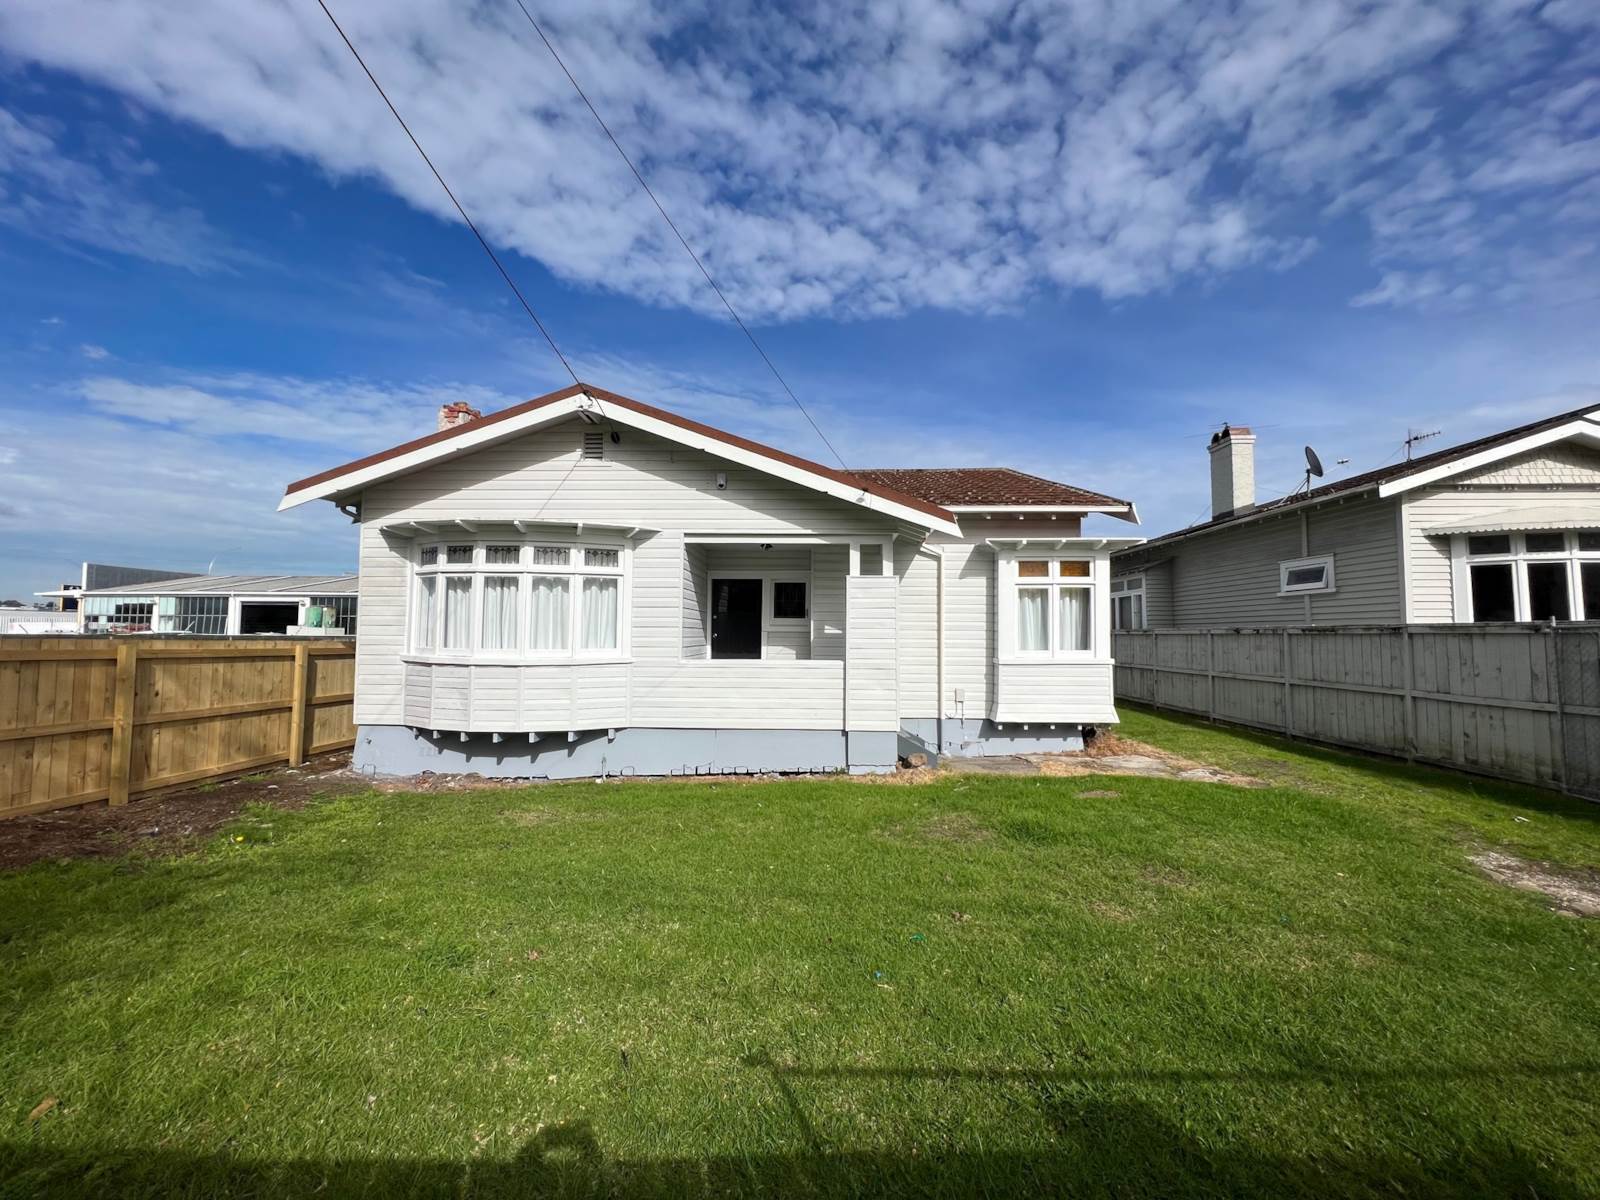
(93, 352)
(875, 159)
(48, 191)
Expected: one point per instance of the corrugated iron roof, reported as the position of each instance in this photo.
(238, 585)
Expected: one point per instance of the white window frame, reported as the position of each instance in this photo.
(1325, 561)
(525, 569)
(1009, 583)
(1520, 557)
(1129, 588)
(769, 600)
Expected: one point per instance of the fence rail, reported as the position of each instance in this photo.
(1513, 701)
(84, 719)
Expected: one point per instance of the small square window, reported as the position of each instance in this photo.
(602, 558)
(429, 556)
(1073, 569)
(1489, 543)
(789, 600)
(458, 554)
(1545, 543)
(551, 556)
(1036, 568)
(502, 555)
(1589, 541)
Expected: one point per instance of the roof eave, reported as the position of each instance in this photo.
(562, 405)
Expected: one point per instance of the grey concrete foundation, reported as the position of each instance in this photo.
(400, 750)
(979, 739)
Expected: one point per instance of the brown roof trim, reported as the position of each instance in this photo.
(660, 414)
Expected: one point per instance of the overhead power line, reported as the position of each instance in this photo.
(671, 224)
(482, 241)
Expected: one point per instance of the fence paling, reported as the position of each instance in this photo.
(1506, 701)
(112, 719)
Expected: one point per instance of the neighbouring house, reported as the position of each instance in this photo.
(224, 604)
(585, 584)
(1504, 528)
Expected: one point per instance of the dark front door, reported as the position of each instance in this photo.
(736, 618)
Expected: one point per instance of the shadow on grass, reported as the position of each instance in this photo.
(1115, 1148)
(1377, 767)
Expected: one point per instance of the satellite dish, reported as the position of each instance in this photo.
(1313, 463)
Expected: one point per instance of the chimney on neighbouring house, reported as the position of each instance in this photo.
(1233, 470)
(459, 413)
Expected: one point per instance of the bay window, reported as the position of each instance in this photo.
(1539, 575)
(536, 600)
(1052, 606)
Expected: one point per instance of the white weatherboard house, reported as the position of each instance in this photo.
(585, 584)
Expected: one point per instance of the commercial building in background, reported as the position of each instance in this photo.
(223, 604)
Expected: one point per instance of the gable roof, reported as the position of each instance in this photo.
(1582, 423)
(991, 488)
(581, 398)
(906, 495)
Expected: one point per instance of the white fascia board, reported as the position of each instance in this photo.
(1584, 429)
(423, 455)
(561, 409)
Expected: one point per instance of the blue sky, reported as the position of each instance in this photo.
(1070, 238)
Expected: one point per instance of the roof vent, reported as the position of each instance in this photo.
(594, 443)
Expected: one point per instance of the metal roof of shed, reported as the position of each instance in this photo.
(238, 585)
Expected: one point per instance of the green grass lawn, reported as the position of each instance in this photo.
(996, 985)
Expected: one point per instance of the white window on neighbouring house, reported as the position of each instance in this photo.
(1127, 602)
(1305, 575)
(523, 601)
(1537, 575)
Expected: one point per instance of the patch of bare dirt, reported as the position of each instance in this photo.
(172, 823)
(1575, 891)
(1113, 754)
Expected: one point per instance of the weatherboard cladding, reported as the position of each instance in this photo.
(540, 476)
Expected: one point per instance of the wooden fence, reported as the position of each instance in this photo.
(90, 718)
(1513, 701)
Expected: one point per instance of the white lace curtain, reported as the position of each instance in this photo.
(500, 612)
(551, 618)
(1033, 619)
(457, 612)
(1074, 618)
(599, 614)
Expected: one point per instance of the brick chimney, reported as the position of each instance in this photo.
(459, 413)
(1233, 470)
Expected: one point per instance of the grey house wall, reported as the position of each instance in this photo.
(1231, 576)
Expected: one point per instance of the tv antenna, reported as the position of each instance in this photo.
(1413, 437)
